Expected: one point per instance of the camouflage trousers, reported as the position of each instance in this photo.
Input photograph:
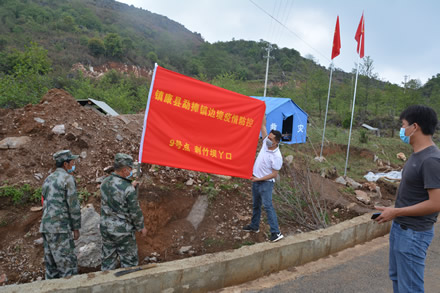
(121, 245)
(59, 255)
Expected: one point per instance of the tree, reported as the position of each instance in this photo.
(113, 45)
(96, 46)
(152, 57)
(26, 79)
(366, 70)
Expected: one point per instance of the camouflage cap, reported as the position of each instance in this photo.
(64, 155)
(124, 160)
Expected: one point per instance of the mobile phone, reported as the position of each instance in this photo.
(375, 215)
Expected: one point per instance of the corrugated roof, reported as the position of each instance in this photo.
(106, 108)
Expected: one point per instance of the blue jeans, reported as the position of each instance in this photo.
(262, 193)
(407, 258)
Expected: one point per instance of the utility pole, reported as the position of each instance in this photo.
(268, 49)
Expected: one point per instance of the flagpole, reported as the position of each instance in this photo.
(352, 113)
(326, 108)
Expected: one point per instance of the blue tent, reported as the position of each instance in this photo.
(284, 115)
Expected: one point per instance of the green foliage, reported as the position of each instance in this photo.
(152, 57)
(25, 79)
(96, 46)
(125, 94)
(113, 45)
(346, 122)
(363, 136)
(20, 195)
(84, 195)
(96, 32)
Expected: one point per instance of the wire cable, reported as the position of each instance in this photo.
(292, 32)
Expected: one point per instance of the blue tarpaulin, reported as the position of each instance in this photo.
(284, 115)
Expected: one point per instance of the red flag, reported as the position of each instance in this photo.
(194, 125)
(360, 37)
(336, 50)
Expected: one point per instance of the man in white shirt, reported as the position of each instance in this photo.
(266, 167)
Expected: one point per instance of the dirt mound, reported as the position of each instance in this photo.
(95, 137)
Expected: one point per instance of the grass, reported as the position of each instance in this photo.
(21, 194)
(336, 138)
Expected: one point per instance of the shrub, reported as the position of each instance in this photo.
(363, 138)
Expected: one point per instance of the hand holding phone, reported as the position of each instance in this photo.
(375, 215)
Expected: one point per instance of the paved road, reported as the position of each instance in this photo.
(363, 268)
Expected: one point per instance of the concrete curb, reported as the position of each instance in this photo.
(219, 270)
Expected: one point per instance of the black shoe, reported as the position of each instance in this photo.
(275, 237)
(249, 228)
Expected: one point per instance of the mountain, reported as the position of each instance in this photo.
(43, 42)
(72, 31)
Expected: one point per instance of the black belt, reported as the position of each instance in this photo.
(403, 227)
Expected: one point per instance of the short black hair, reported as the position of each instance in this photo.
(277, 135)
(61, 164)
(424, 116)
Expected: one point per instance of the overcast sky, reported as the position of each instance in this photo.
(401, 36)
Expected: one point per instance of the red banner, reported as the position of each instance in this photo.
(194, 125)
(360, 37)
(336, 40)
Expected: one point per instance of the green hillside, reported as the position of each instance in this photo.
(40, 41)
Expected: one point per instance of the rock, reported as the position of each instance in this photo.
(75, 124)
(353, 183)
(351, 206)
(288, 159)
(371, 186)
(119, 137)
(189, 182)
(36, 209)
(198, 210)
(401, 156)
(14, 142)
(39, 120)
(59, 129)
(184, 249)
(341, 180)
(100, 179)
(38, 241)
(155, 254)
(83, 154)
(320, 159)
(38, 176)
(362, 196)
(378, 191)
(3, 279)
(88, 246)
(109, 169)
(223, 176)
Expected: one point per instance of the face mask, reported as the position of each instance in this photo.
(131, 174)
(72, 169)
(269, 143)
(403, 137)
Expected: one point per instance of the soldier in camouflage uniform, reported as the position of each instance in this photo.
(121, 216)
(61, 216)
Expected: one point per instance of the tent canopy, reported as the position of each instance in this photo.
(284, 115)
